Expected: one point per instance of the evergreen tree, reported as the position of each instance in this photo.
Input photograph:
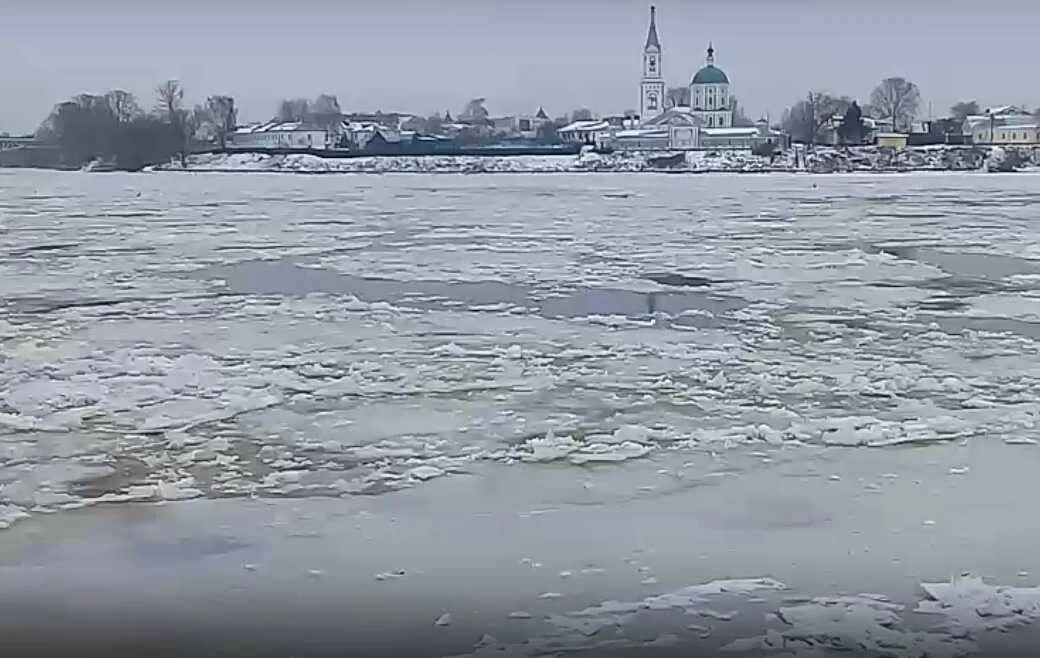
(852, 129)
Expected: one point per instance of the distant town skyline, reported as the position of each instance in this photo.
(411, 56)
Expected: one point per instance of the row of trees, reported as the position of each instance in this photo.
(895, 98)
(114, 127)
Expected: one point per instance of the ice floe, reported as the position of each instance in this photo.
(575, 631)
(862, 624)
(969, 605)
(434, 326)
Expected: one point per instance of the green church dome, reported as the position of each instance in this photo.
(710, 75)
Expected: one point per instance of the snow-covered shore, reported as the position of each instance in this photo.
(823, 160)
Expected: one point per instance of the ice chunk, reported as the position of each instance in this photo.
(180, 490)
(609, 453)
(550, 448)
(714, 614)
(631, 434)
(443, 620)
(970, 605)
(9, 514)
(424, 473)
(861, 623)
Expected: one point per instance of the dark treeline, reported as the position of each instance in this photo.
(113, 127)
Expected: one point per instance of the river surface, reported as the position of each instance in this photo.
(612, 338)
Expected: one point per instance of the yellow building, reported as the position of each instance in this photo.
(1014, 135)
(892, 140)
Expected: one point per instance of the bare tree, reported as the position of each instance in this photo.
(111, 128)
(194, 120)
(581, 114)
(294, 109)
(898, 99)
(433, 124)
(222, 114)
(964, 109)
(740, 120)
(170, 97)
(326, 104)
(474, 112)
(122, 105)
(805, 119)
(677, 97)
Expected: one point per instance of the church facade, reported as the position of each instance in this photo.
(710, 100)
(704, 122)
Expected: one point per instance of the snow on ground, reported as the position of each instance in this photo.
(822, 160)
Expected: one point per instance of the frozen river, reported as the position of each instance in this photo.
(609, 351)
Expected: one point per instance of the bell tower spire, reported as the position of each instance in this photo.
(651, 35)
(651, 86)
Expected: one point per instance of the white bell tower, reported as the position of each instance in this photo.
(651, 86)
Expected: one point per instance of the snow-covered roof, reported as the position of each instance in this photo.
(641, 133)
(682, 113)
(580, 126)
(1012, 119)
(276, 126)
(730, 132)
(1006, 109)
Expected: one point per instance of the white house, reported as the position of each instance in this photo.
(10, 143)
(359, 134)
(682, 126)
(638, 139)
(678, 129)
(584, 131)
(278, 135)
(1006, 125)
(729, 138)
(829, 132)
(523, 125)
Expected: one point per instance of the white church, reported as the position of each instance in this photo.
(706, 123)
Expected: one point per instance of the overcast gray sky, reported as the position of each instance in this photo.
(427, 55)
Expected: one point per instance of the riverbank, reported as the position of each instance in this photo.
(821, 161)
(677, 553)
